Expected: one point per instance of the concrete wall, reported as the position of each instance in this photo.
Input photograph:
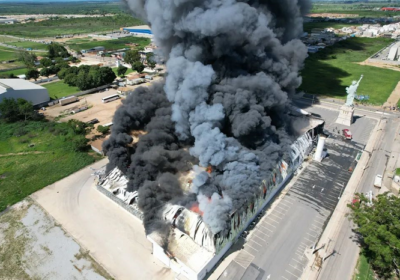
(128, 208)
(36, 96)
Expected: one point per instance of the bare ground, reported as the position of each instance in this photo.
(33, 246)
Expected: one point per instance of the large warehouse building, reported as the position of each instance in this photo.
(192, 249)
(17, 88)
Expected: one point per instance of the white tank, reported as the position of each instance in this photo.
(319, 153)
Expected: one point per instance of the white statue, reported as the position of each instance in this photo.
(351, 92)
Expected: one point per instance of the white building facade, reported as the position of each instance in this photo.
(17, 88)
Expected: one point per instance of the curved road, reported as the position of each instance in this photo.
(115, 238)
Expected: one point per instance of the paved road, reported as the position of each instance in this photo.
(276, 246)
(114, 237)
(341, 265)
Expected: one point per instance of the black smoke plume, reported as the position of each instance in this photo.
(232, 67)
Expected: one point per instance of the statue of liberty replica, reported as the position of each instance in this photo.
(347, 110)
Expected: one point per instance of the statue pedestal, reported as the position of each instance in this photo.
(346, 114)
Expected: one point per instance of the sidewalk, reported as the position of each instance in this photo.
(331, 232)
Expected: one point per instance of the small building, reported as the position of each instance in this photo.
(17, 88)
(140, 31)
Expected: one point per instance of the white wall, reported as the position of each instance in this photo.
(36, 96)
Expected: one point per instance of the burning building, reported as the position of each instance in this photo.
(220, 133)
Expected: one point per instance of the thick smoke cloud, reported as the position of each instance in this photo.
(232, 67)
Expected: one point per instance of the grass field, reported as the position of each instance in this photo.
(308, 26)
(6, 39)
(85, 43)
(15, 72)
(364, 271)
(60, 89)
(332, 69)
(52, 158)
(28, 44)
(7, 54)
(83, 7)
(55, 27)
(361, 9)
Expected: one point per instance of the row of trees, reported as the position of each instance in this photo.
(378, 224)
(133, 58)
(86, 77)
(13, 110)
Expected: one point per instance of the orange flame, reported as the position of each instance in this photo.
(195, 208)
(209, 169)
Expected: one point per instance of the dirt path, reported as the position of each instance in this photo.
(394, 97)
(380, 65)
(25, 153)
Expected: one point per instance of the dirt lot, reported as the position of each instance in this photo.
(97, 109)
(114, 237)
(330, 15)
(33, 246)
(104, 112)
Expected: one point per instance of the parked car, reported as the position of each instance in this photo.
(347, 134)
(93, 121)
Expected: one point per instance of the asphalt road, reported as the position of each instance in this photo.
(341, 265)
(275, 248)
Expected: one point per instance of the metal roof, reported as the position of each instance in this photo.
(17, 84)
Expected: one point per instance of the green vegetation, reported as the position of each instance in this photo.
(364, 271)
(86, 77)
(7, 54)
(308, 26)
(115, 70)
(332, 69)
(62, 26)
(398, 171)
(379, 228)
(85, 44)
(103, 129)
(28, 44)
(60, 89)
(36, 154)
(360, 9)
(83, 8)
(16, 72)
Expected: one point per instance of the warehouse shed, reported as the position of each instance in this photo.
(17, 88)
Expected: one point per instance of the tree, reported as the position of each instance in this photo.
(46, 72)
(83, 80)
(103, 129)
(25, 108)
(70, 79)
(46, 62)
(150, 60)
(121, 70)
(56, 50)
(132, 56)
(379, 227)
(138, 66)
(9, 109)
(28, 58)
(32, 73)
(107, 76)
(14, 110)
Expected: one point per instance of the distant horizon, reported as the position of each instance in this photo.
(53, 1)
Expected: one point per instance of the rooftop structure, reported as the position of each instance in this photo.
(17, 88)
(141, 31)
(192, 249)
